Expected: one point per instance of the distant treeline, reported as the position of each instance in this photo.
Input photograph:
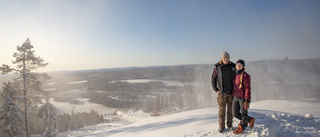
(267, 76)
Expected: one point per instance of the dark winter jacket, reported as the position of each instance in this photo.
(222, 77)
(243, 91)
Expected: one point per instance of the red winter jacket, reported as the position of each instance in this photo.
(245, 90)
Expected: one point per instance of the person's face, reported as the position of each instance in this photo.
(225, 60)
(239, 66)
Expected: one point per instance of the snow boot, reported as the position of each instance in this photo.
(230, 128)
(251, 123)
(220, 129)
(238, 130)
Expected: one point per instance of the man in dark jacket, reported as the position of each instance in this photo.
(222, 76)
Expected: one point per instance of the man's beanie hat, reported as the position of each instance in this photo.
(225, 54)
(241, 61)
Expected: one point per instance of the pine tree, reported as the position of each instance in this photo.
(48, 113)
(11, 117)
(26, 61)
(74, 121)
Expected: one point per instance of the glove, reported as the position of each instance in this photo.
(246, 105)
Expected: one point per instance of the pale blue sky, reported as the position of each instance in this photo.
(91, 34)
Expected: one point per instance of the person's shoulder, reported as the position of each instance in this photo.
(245, 74)
(217, 64)
(232, 64)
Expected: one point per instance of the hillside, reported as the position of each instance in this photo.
(273, 118)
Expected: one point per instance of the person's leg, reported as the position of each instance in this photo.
(229, 110)
(222, 110)
(244, 115)
(242, 126)
(236, 108)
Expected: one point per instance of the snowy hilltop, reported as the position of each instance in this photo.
(299, 118)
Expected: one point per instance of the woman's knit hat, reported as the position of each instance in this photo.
(241, 61)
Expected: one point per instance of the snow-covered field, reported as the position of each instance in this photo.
(279, 118)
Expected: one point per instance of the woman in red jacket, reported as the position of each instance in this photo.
(242, 97)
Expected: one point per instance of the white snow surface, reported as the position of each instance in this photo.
(274, 118)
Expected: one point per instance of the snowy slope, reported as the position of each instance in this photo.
(273, 118)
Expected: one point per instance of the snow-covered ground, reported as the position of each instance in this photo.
(273, 118)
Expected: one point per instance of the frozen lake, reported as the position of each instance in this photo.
(166, 82)
(82, 106)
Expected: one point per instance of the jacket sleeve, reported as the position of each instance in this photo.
(247, 86)
(214, 79)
